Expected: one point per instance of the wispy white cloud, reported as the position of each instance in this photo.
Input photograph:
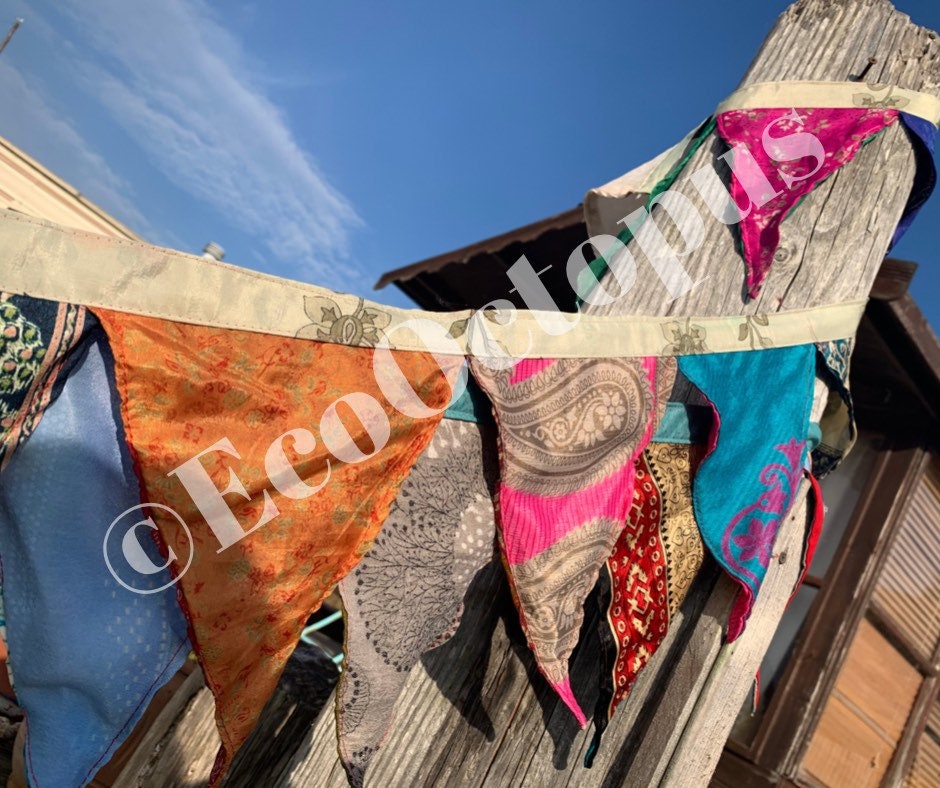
(184, 89)
(181, 85)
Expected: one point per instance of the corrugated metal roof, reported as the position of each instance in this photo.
(475, 275)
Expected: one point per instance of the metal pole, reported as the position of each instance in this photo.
(13, 28)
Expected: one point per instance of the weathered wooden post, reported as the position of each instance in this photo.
(476, 711)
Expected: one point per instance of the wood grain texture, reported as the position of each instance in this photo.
(152, 728)
(832, 246)
(476, 712)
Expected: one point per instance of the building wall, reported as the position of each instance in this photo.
(28, 187)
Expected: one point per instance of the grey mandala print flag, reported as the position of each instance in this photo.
(406, 596)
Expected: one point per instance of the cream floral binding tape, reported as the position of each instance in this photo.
(833, 95)
(44, 260)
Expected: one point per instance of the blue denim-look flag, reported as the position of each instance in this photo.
(87, 654)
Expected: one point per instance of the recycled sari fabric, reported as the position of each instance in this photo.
(684, 423)
(648, 574)
(923, 136)
(406, 595)
(570, 432)
(839, 134)
(837, 422)
(6, 680)
(668, 174)
(472, 405)
(207, 351)
(762, 403)
(110, 273)
(836, 101)
(836, 95)
(35, 338)
(183, 387)
(88, 654)
(818, 509)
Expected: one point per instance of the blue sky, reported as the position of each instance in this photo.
(330, 142)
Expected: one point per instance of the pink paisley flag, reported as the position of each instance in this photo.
(570, 431)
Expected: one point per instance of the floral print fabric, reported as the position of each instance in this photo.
(36, 337)
(791, 164)
(185, 387)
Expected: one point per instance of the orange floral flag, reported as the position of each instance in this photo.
(270, 450)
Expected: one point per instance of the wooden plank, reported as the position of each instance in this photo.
(185, 754)
(161, 714)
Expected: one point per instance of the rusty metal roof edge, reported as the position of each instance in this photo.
(915, 326)
(528, 232)
(893, 278)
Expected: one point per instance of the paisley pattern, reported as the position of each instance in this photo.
(551, 589)
(570, 431)
(570, 425)
(36, 337)
(406, 596)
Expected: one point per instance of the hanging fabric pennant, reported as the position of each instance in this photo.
(744, 488)
(406, 595)
(648, 575)
(837, 422)
(35, 339)
(923, 136)
(606, 206)
(88, 654)
(794, 149)
(570, 431)
(228, 410)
